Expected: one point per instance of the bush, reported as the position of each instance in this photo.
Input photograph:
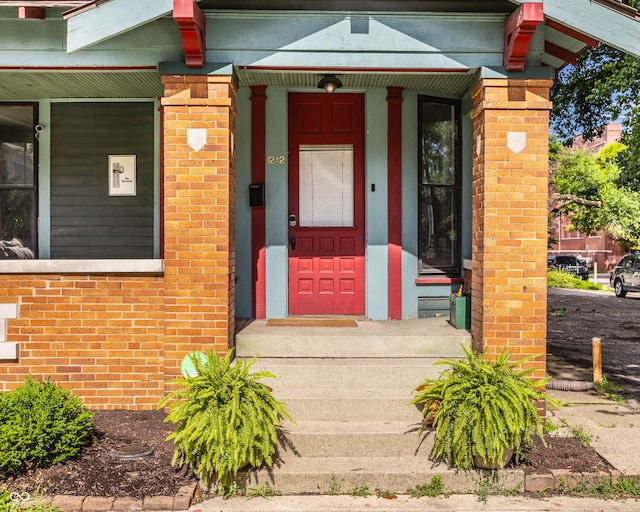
(41, 424)
(561, 279)
(225, 419)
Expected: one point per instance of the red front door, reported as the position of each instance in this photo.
(326, 204)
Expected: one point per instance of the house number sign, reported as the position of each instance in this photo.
(275, 159)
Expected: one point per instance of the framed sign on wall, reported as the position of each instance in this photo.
(122, 175)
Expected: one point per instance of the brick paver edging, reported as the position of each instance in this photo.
(566, 480)
(553, 480)
(181, 501)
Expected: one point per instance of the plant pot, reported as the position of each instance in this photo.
(481, 463)
(429, 416)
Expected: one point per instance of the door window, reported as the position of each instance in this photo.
(326, 186)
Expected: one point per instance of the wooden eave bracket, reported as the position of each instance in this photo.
(192, 26)
(518, 31)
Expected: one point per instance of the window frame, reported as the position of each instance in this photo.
(454, 270)
(34, 187)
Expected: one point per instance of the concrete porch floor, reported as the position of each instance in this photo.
(430, 337)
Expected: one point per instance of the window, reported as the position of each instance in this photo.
(439, 187)
(18, 184)
(326, 186)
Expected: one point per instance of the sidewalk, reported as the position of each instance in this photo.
(457, 503)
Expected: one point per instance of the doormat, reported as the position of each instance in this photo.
(311, 322)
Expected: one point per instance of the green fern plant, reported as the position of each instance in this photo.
(483, 409)
(225, 419)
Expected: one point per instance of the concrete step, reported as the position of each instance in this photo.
(347, 373)
(348, 390)
(354, 404)
(354, 439)
(339, 475)
(428, 337)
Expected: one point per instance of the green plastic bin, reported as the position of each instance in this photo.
(460, 311)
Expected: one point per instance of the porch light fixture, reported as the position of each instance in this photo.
(329, 83)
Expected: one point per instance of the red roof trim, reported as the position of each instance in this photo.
(560, 53)
(193, 31)
(518, 30)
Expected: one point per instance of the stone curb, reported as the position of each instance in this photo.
(180, 502)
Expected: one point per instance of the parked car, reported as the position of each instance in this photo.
(569, 264)
(625, 276)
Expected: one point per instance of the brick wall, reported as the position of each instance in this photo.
(102, 336)
(509, 242)
(199, 216)
(117, 339)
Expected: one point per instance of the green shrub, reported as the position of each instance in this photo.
(37, 505)
(225, 419)
(561, 279)
(41, 424)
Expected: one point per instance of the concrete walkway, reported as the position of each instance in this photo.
(457, 503)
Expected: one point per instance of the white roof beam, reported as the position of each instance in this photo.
(110, 19)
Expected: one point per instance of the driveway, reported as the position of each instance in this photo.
(575, 317)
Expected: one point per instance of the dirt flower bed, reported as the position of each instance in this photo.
(96, 472)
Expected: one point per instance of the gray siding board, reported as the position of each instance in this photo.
(85, 221)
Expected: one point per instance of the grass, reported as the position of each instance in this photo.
(23, 503)
(550, 426)
(491, 485)
(264, 491)
(623, 487)
(578, 433)
(361, 491)
(431, 489)
(561, 279)
(334, 487)
(610, 391)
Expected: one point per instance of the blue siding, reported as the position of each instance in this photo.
(276, 193)
(376, 204)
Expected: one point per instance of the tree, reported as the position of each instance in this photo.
(602, 87)
(586, 190)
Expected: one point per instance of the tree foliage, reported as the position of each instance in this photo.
(602, 87)
(588, 191)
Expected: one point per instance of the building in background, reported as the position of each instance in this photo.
(598, 249)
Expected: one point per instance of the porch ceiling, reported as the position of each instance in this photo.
(449, 84)
(145, 83)
(41, 84)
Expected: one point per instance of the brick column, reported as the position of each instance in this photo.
(510, 175)
(199, 216)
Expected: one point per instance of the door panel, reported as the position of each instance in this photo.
(326, 199)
